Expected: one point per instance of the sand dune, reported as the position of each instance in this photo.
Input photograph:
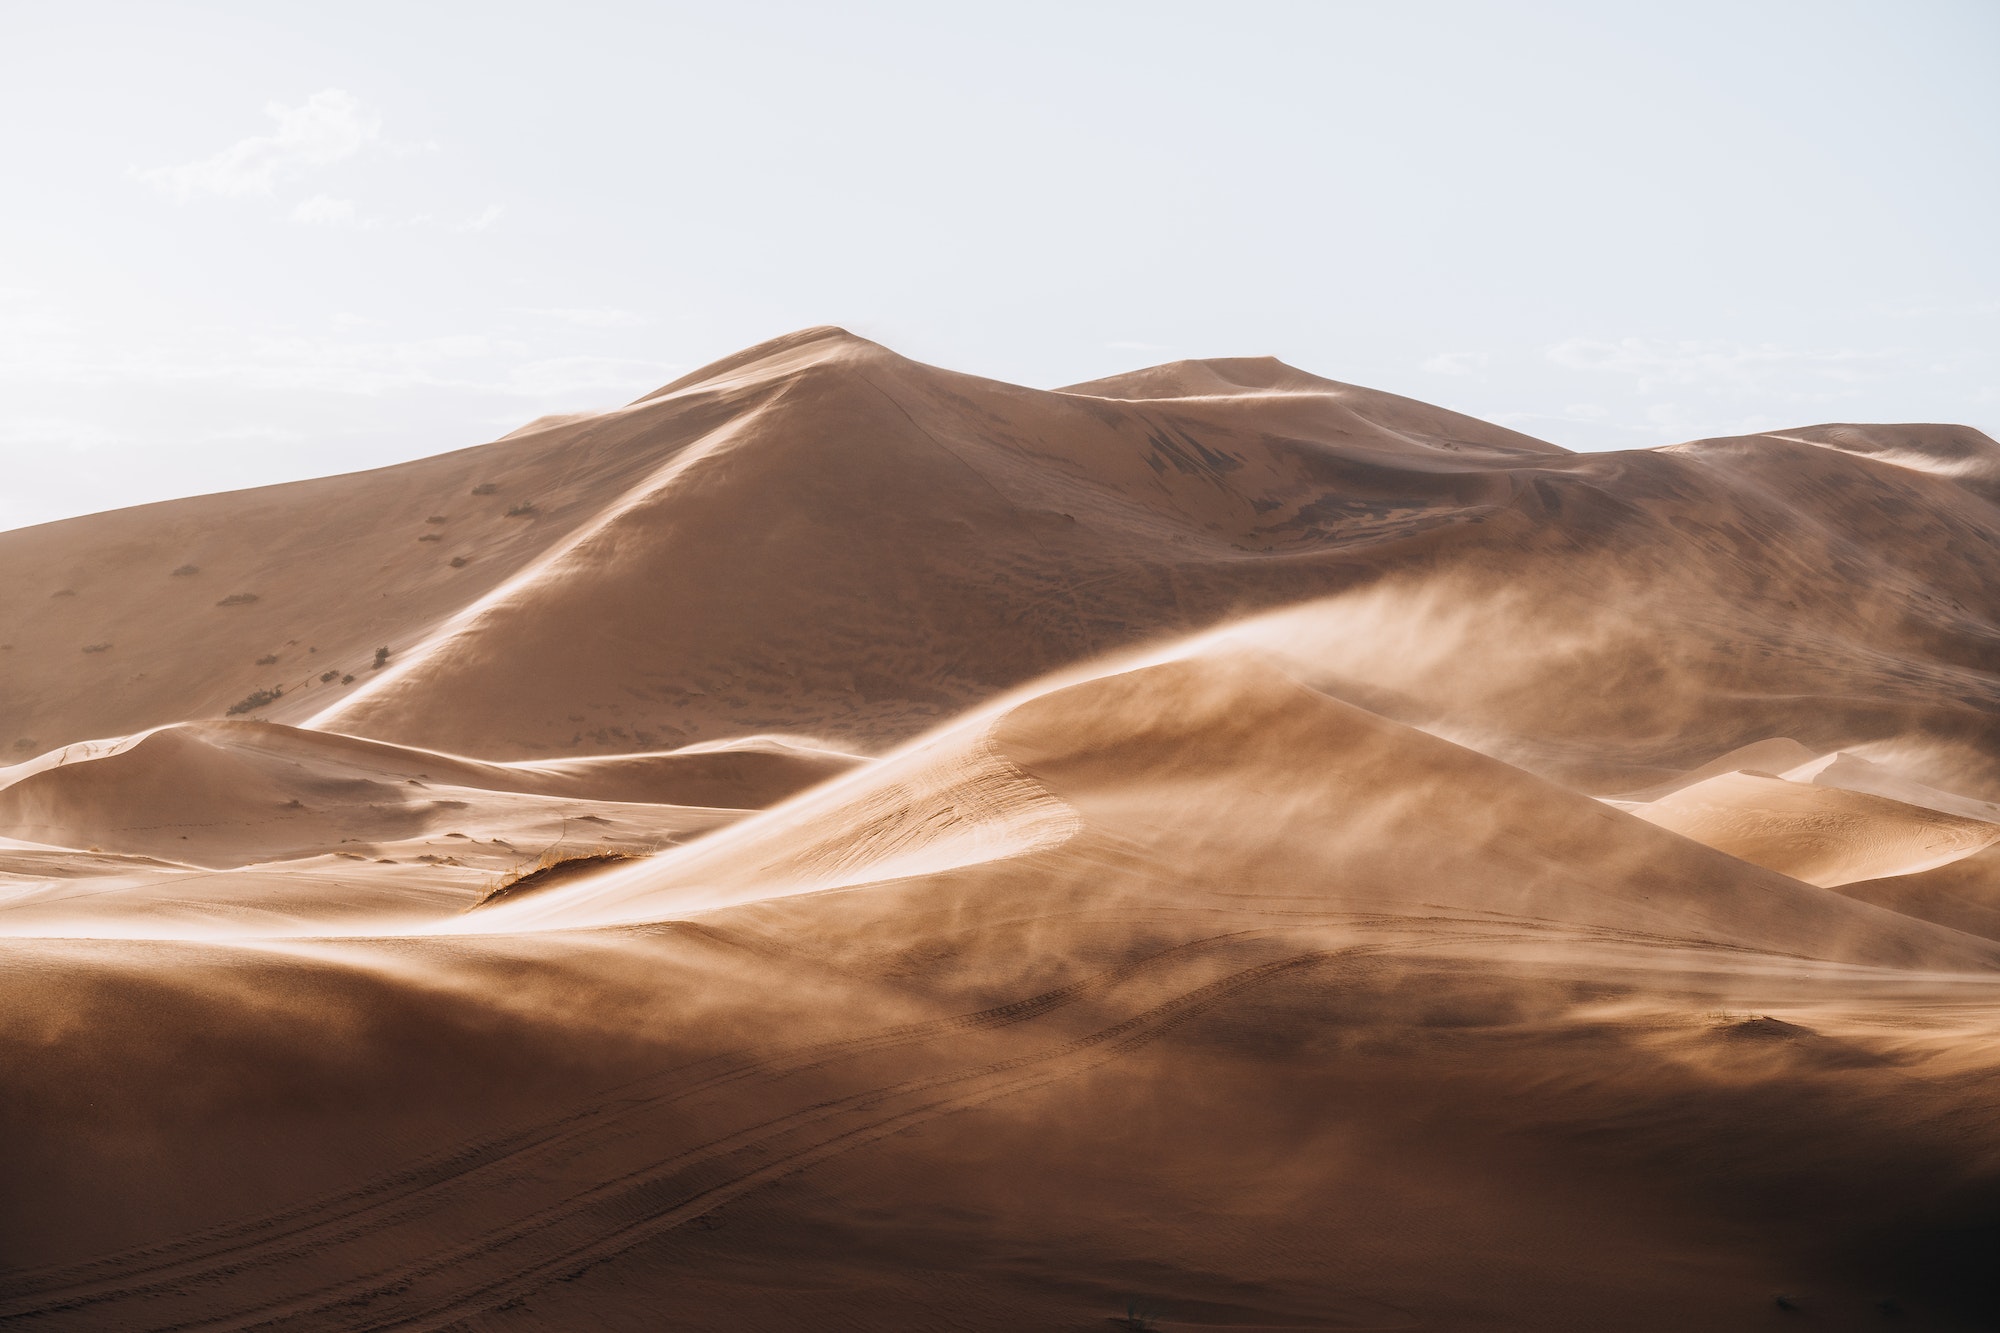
(1823, 835)
(1963, 894)
(819, 538)
(1212, 847)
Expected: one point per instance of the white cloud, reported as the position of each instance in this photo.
(325, 211)
(339, 364)
(487, 217)
(328, 127)
(594, 319)
(1656, 364)
(1456, 363)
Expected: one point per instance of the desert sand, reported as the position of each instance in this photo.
(842, 844)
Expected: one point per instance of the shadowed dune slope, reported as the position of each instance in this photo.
(820, 538)
(1963, 894)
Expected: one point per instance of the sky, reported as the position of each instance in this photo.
(249, 243)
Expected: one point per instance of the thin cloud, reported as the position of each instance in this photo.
(330, 126)
(593, 318)
(1456, 363)
(1657, 364)
(325, 211)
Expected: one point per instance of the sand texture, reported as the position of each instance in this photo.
(841, 844)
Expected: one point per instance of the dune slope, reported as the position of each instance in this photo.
(820, 538)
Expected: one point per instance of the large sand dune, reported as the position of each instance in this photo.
(861, 846)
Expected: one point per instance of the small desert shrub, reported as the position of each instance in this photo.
(381, 659)
(430, 537)
(97, 647)
(256, 699)
(552, 867)
(238, 599)
(459, 562)
(326, 676)
(186, 570)
(485, 488)
(63, 592)
(435, 518)
(347, 680)
(522, 510)
(268, 659)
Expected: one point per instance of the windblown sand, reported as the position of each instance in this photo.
(840, 844)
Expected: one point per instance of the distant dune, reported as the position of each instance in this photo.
(842, 844)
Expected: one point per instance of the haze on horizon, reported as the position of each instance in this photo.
(246, 246)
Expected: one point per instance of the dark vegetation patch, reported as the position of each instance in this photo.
(486, 488)
(256, 699)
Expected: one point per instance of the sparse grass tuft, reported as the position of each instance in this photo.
(268, 659)
(436, 518)
(238, 599)
(552, 867)
(486, 488)
(521, 510)
(185, 570)
(460, 562)
(430, 537)
(256, 699)
(97, 647)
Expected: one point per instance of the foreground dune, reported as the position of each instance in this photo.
(865, 847)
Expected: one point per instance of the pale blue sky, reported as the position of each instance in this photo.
(247, 243)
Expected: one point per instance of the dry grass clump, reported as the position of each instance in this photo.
(238, 599)
(552, 867)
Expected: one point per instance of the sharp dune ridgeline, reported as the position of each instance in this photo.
(842, 844)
